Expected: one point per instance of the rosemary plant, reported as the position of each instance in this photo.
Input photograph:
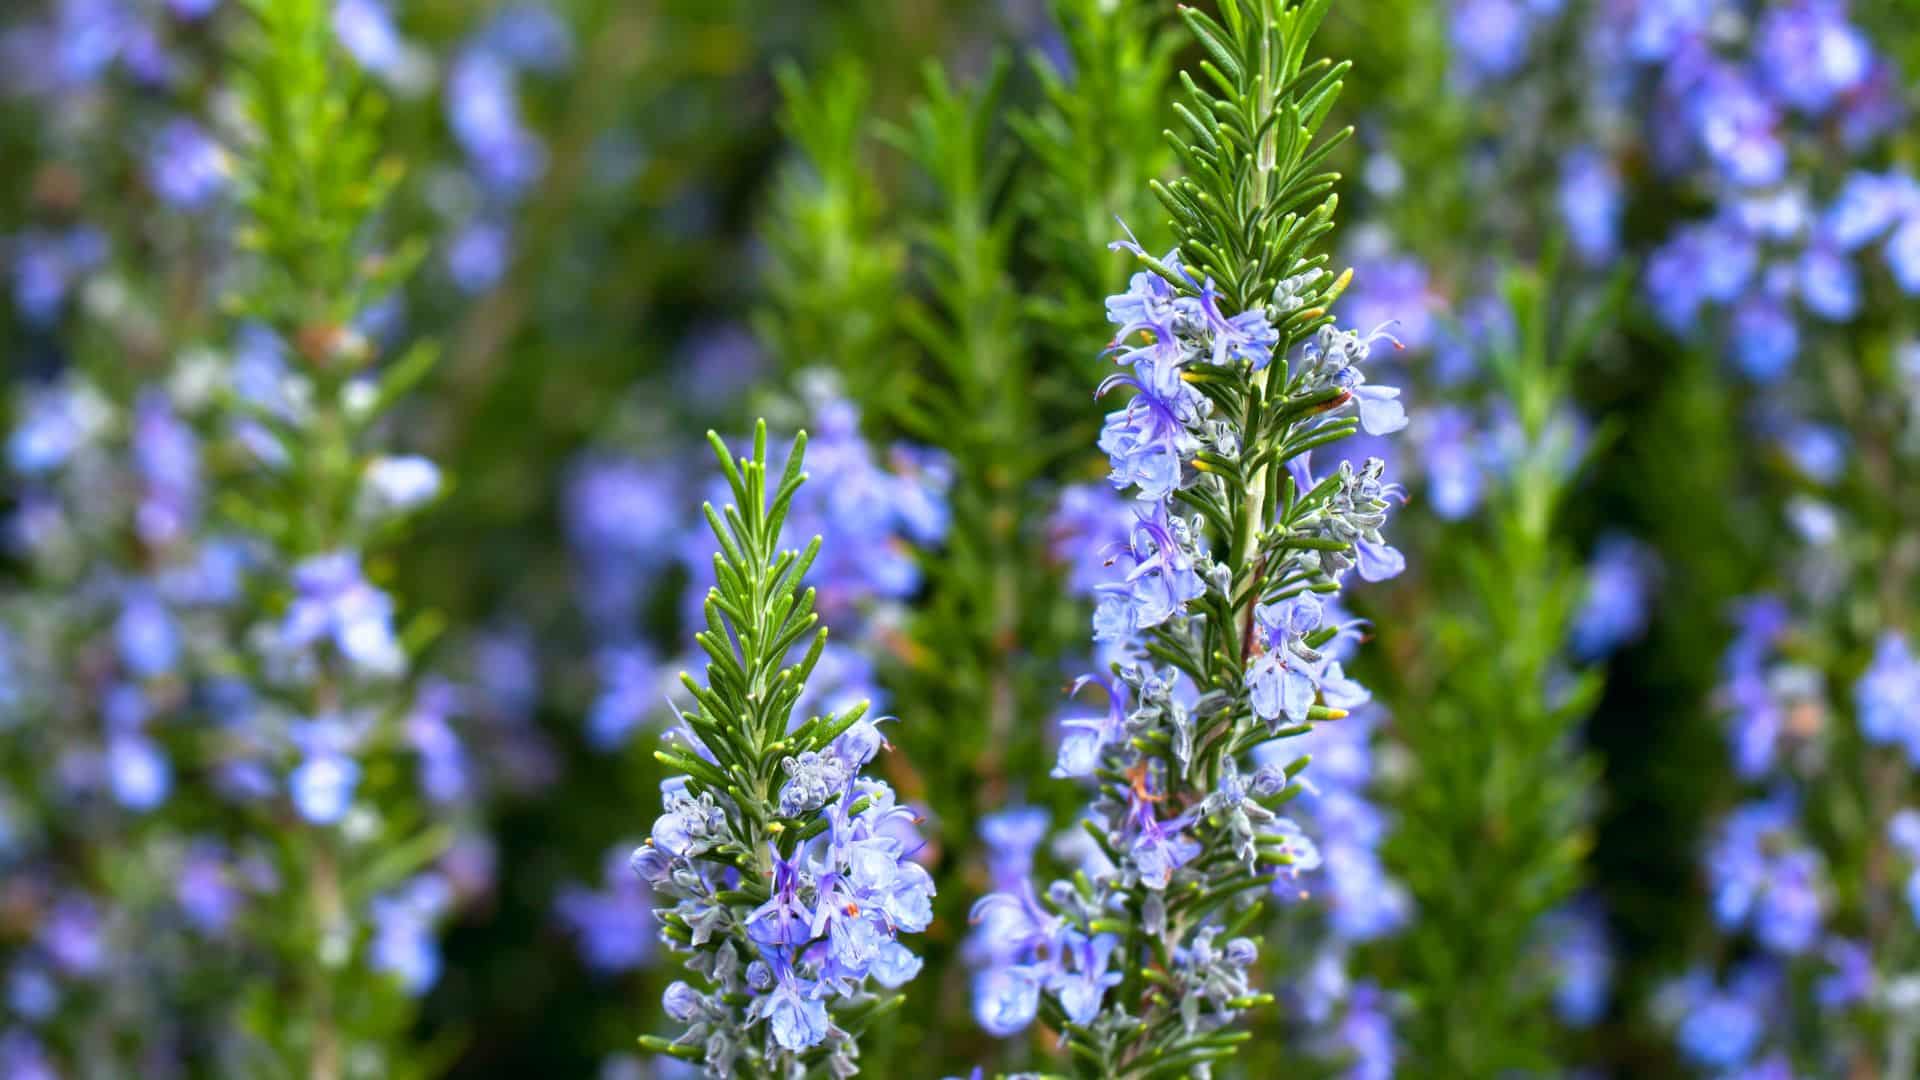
(1495, 765)
(319, 761)
(791, 873)
(1219, 614)
(956, 310)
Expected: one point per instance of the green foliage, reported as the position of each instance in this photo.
(756, 614)
(314, 178)
(312, 187)
(1251, 203)
(1493, 814)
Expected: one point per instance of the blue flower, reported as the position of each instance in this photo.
(1083, 976)
(186, 167)
(322, 787)
(1711, 261)
(792, 1007)
(1489, 37)
(1247, 336)
(1285, 678)
(1887, 697)
(1366, 1032)
(139, 771)
(1591, 198)
(1828, 284)
(1903, 255)
(530, 36)
(365, 29)
(1087, 523)
(631, 689)
(1157, 848)
(1737, 126)
(332, 601)
(404, 942)
(1809, 54)
(1868, 205)
(1765, 338)
(484, 111)
(396, 485)
(1011, 836)
(56, 422)
(1582, 959)
(1086, 736)
(1393, 290)
(784, 919)
(1760, 873)
(1161, 580)
(1852, 979)
(148, 639)
(1006, 999)
(1722, 1028)
(1613, 607)
(1148, 442)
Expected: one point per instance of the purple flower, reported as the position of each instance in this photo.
(1365, 1032)
(1393, 290)
(1582, 959)
(206, 890)
(1148, 442)
(1737, 126)
(1085, 736)
(333, 602)
(1489, 37)
(322, 785)
(1809, 53)
(1455, 472)
(1887, 697)
(1161, 580)
(167, 457)
(631, 689)
(1903, 255)
(1852, 978)
(478, 255)
(1247, 336)
(784, 919)
(185, 166)
(1591, 197)
(484, 110)
(1082, 979)
(74, 937)
(1761, 874)
(1006, 999)
(1158, 848)
(365, 29)
(23, 1058)
(396, 485)
(404, 944)
(1011, 836)
(792, 1007)
(1828, 284)
(1613, 610)
(530, 36)
(1088, 522)
(1721, 1028)
(45, 267)
(138, 771)
(1868, 205)
(1285, 679)
(615, 925)
(148, 639)
(1765, 338)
